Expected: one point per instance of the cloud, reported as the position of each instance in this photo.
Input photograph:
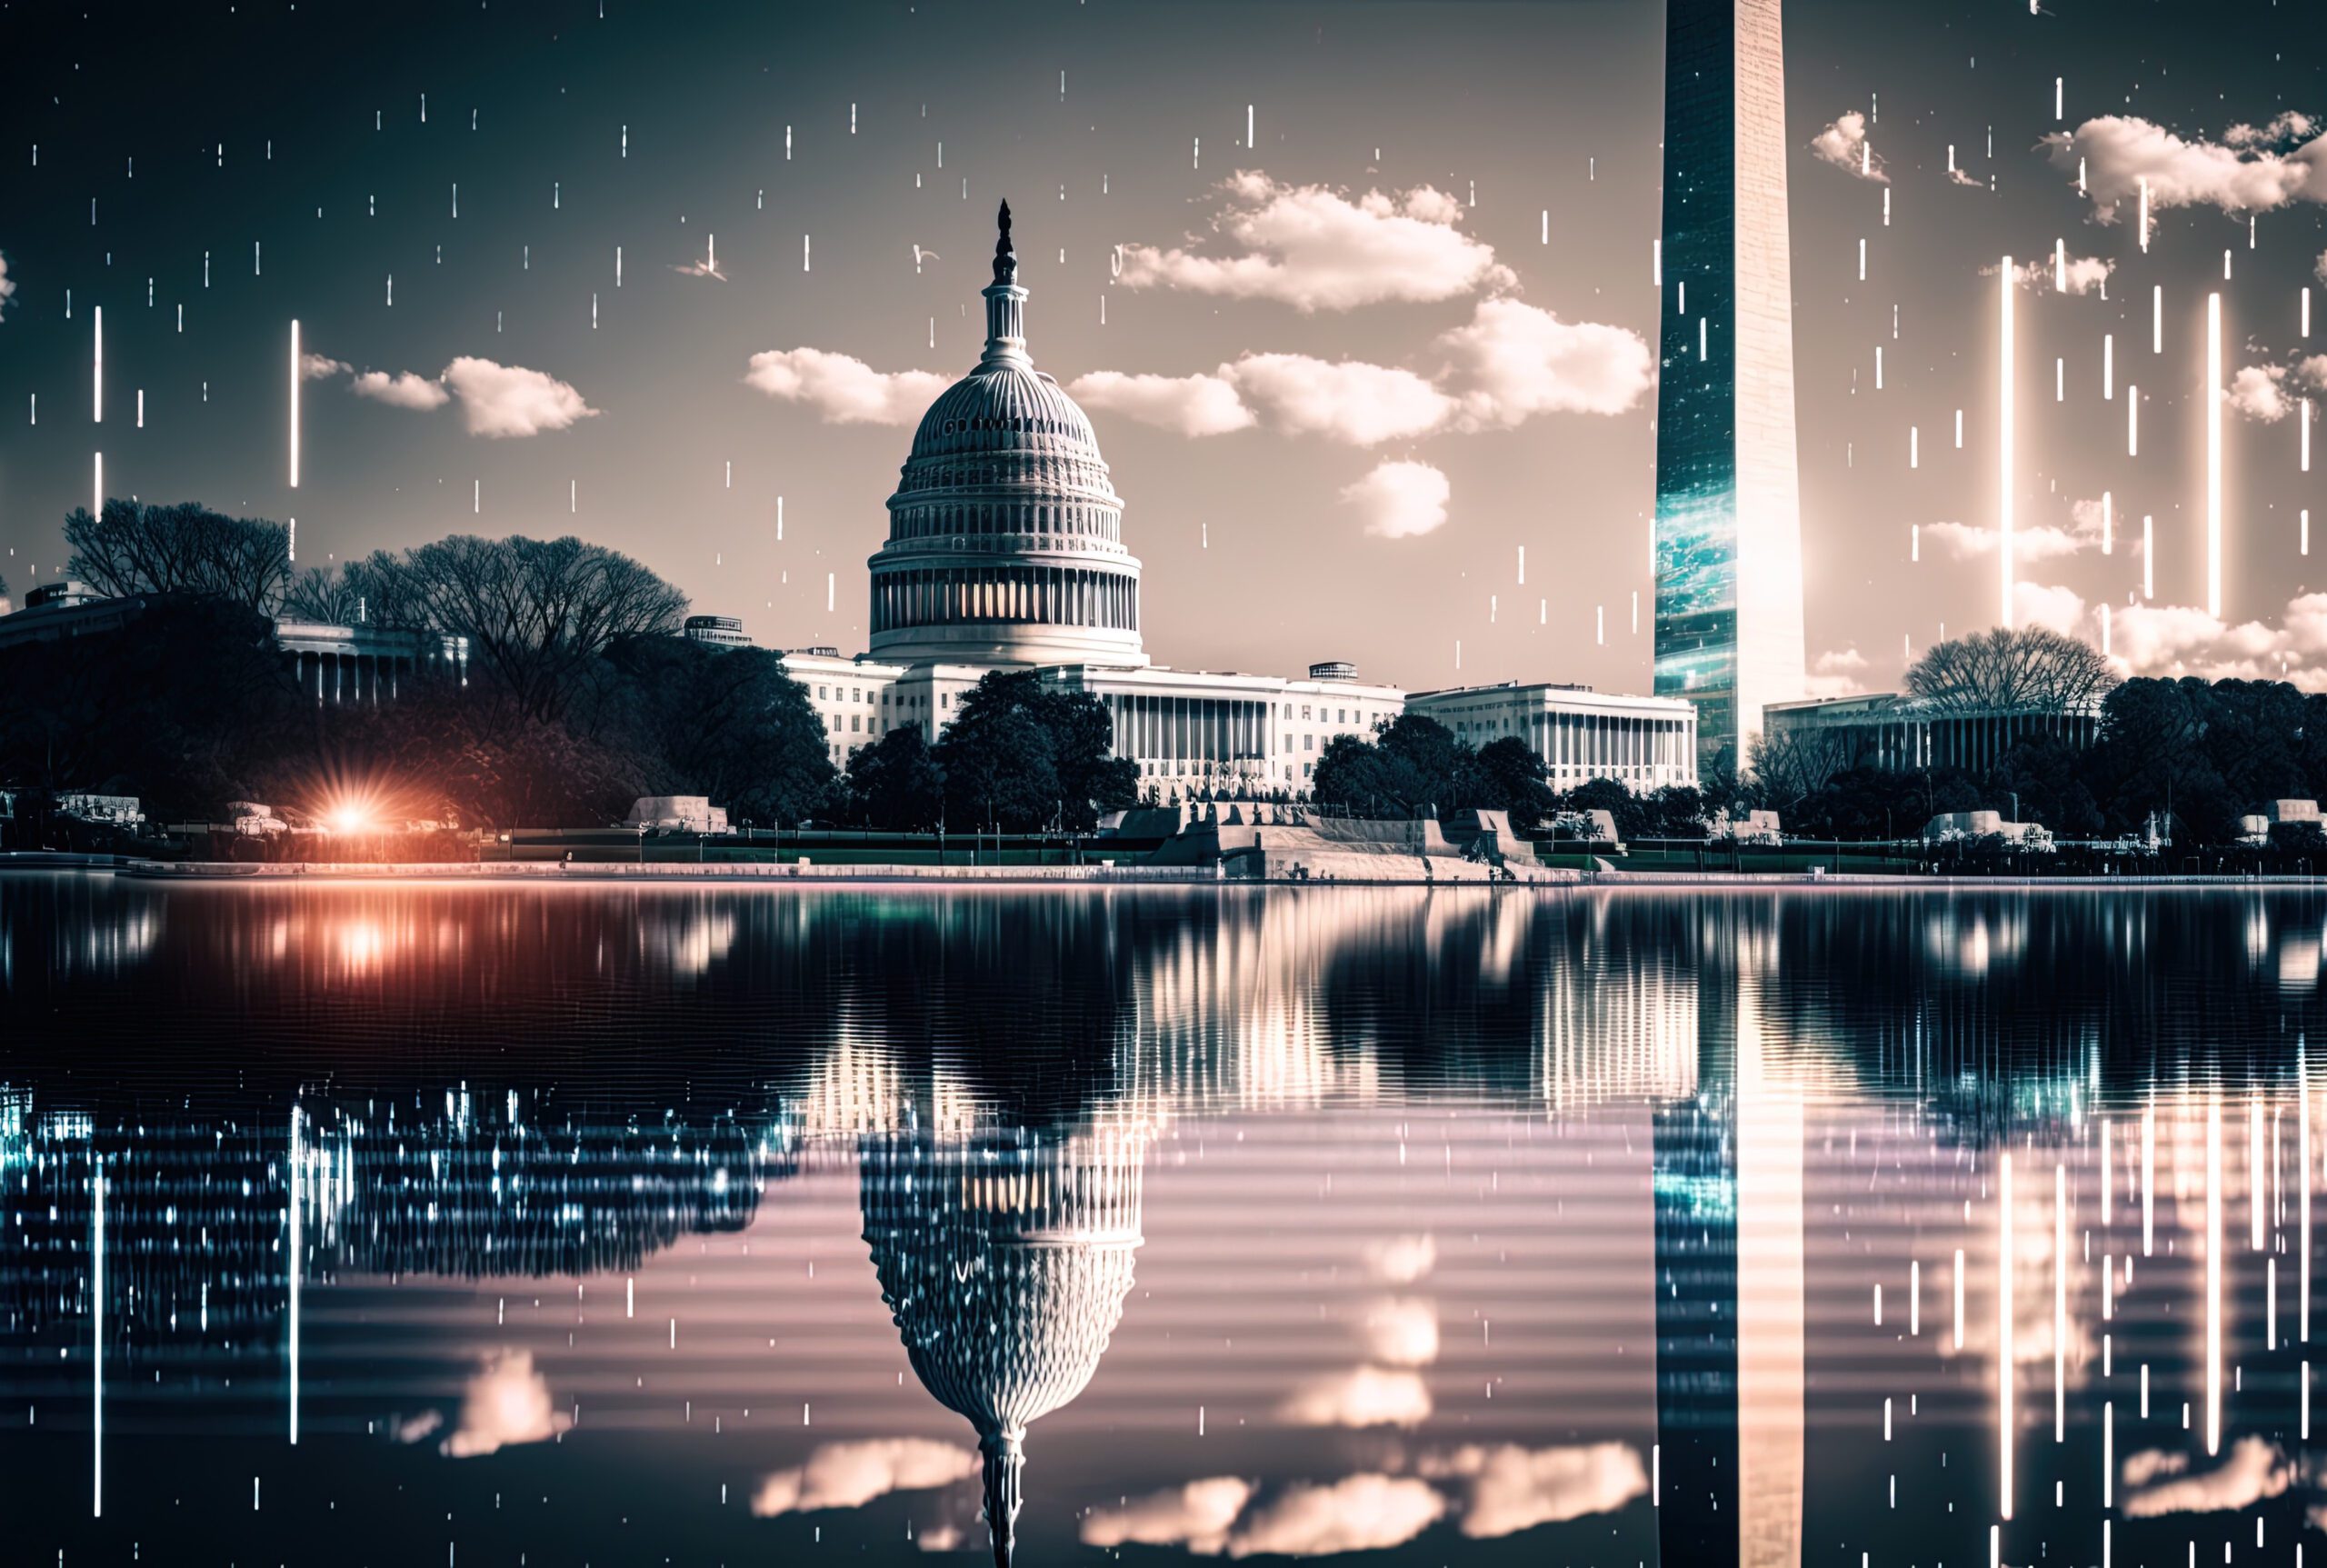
(505, 1403)
(2118, 152)
(850, 1475)
(2161, 1484)
(845, 391)
(2036, 604)
(414, 1429)
(1401, 1260)
(2080, 274)
(1509, 1488)
(1835, 673)
(1315, 248)
(2290, 128)
(2260, 393)
(1343, 400)
(2313, 372)
(1516, 360)
(1843, 144)
(403, 390)
(319, 367)
(1401, 1331)
(9, 284)
(1197, 1516)
(1960, 177)
(1186, 404)
(2320, 270)
(1362, 1512)
(1359, 1397)
(2183, 639)
(699, 269)
(2036, 542)
(504, 401)
(1399, 499)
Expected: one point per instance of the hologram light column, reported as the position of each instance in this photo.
(1729, 633)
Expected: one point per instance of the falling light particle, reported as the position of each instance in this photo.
(2004, 531)
(2213, 455)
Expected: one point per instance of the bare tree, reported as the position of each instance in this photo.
(138, 548)
(537, 612)
(1790, 763)
(346, 594)
(2011, 670)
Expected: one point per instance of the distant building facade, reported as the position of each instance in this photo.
(367, 663)
(720, 632)
(1891, 731)
(1643, 743)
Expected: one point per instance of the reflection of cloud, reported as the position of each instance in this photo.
(850, 1475)
(1511, 1488)
(1197, 1516)
(1401, 1260)
(1358, 1513)
(1316, 249)
(1402, 1331)
(2160, 1482)
(416, 1428)
(940, 1538)
(1361, 1397)
(505, 1403)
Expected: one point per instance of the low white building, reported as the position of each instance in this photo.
(1643, 743)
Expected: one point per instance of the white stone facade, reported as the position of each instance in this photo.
(1642, 742)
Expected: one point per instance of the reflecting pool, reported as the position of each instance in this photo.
(421, 1223)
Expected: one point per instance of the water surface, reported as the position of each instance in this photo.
(448, 1223)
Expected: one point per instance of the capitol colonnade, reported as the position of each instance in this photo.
(1042, 595)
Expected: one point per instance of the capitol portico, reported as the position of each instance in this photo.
(1005, 551)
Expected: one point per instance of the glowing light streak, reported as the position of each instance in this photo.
(2005, 520)
(2060, 1301)
(2213, 1277)
(2004, 1359)
(295, 405)
(2213, 455)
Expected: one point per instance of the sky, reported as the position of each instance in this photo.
(1346, 375)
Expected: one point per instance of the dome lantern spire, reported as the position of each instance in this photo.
(1005, 302)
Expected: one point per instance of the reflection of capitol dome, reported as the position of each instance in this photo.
(1005, 1264)
(1005, 538)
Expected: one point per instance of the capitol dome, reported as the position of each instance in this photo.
(1005, 538)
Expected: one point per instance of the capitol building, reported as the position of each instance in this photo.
(1005, 551)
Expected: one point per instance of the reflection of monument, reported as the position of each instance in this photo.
(1730, 1326)
(1004, 1261)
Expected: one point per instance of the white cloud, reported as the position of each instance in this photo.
(2037, 604)
(414, 1429)
(1399, 499)
(1315, 248)
(1961, 178)
(2260, 393)
(2161, 1484)
(1362, 1512)
(1343, 400)
(2290, 128)
(843, 390)
(1401, 1260)
(940, 1538)
(2321, 270)
(2183, 639)
(1515, 360)
(1843, 144)
(320, 367)
(2066, 274)
(505, 1403)
(2311, 373)
(850, 1475)
(1359, 1397)
(403, 390)
(1186, 404)
(1401, 1331)
(1509, 1488)
(1197, 1516)
(9, 284)
(1836, 673)
(2036, 542)
(2118, 152)
(508, 400)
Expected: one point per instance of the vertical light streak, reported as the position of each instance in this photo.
(2213, 455)
(297, 1252)
(2302, 1157)
(1959, 1298)
(2108, 547)
(2108, 367)
(2108, 1172)
(2003, 514)
(2144, 214)
(98, 1343)
(97, 365)
(98, 505)
(2149, 1116)
(2213, 1278)
(2255, 1168)
(2108, 1454)
(1914, 1297)
(295, 405)
(2059, 1301)
(2157, 318)
(2004, 1356)
(2133, 422)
